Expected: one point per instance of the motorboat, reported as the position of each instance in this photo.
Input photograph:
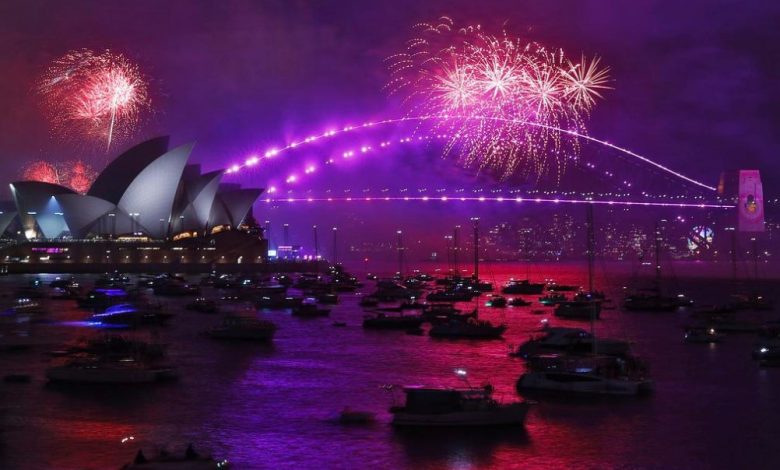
(589, 375)
(559, 339)
(278, 301)
(235, 327)
(578, 309)
(471, 328)
(456, 407)
(113, 348)
(101, 298)
(381, 321)
(131, 315)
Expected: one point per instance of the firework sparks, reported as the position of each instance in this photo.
(94, 95)
(511, 107)
(75, 174)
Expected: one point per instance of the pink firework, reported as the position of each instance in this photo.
(94, 95)
(509, 105)
(74, 174)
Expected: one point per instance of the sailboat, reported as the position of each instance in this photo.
(652, 299)
(594, 374)
(585, 306)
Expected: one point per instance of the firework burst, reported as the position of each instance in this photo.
(97, 96)
(511, 107)
(75, 174)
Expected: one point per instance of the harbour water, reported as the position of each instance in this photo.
(273, 406)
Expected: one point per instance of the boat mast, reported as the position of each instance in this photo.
(400, 246)
(658, 258)
(476, 247)
(456, 248)
(591, 241)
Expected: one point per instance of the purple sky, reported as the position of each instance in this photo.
(696, 80)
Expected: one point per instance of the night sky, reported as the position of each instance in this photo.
(695, 81)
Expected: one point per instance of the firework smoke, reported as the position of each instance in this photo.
(509, 106)
(91, 95)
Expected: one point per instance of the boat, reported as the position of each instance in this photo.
(131, 315)
(350, 416)
(496, 301)
(652, 299)
(278, 301)
(113, 348)
(99, 299)
(389, 290)
(559, 339)
(452, 295)
(243, 328)
(309, 308)
(552, 299)
(456, 407)
(702, 335)
(518, 302)
(126, 371)
(578, 309)
(555, 287)
(368, 301)
(203, 305)
(380, 321)
(471, 328)
(524, 287)
(328, 298)
(589, 375)
(190, 460)
(173, 288)
(650, 302)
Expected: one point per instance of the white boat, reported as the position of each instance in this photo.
(454, 407)
(596, 375)
(243, 328)
(123, 372)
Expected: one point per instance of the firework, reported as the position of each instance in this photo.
(74, 174)
(93, 95)
(511, 107)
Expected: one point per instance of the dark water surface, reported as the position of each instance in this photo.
(272, 406)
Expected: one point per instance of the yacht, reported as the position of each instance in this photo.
(559, 339)
(524, 287)
(243, 328)
(456, 407)
(388, 290)
(469, 329)
(590, 375)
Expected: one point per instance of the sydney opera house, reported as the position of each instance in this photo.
(148, 206)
